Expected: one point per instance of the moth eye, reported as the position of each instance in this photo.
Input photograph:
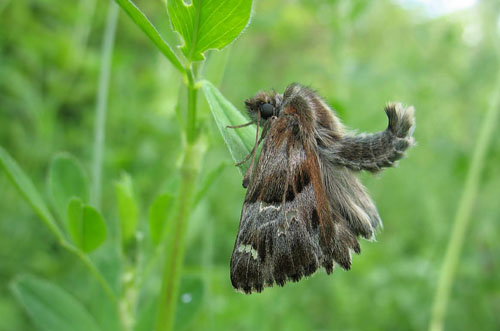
(266, 110)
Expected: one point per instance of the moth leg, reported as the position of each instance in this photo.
(262, 136)
(245, 159)
(246, 178)
(378, 150)
(251, 152)
(239, 126)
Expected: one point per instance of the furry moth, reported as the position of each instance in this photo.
(304, 207)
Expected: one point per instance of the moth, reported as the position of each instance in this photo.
(304, 207)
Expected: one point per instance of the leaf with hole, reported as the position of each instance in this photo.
(50, 307)
(85, 225)
(208, 24)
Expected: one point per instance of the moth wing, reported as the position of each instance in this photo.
(352, 205)
(282, 235)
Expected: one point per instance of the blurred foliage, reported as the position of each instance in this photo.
(358, 55)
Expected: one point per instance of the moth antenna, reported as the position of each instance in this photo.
(246, 179)
(239, 126)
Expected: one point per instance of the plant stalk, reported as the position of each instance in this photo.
(462, 217)
(191, 106)
(102, 101)
(175, 253)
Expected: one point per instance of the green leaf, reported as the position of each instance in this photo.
(189, 302)
(50, 307)
(66, 180)
(239, 141)
(158, 213)
(208, 24)
(86, 225)
(127, 207)
(74, 217)
(28, 191)
(149, 29)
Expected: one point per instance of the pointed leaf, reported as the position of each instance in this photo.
(158, 213)
(86, 225)
(127, 207)
(208, 24)
(28, 190)
(66, 180)
(51, 307)
(239, 141)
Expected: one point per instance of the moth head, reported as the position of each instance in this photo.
(266, 103)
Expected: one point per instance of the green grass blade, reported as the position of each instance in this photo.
(462, 217)
(102, 102)
(29, 192)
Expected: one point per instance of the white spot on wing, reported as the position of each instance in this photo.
(264, 205)
(249, 250)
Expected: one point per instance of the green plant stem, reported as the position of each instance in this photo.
(175, 254)
(462, 217)
(191, 107)
(172, 268)
(101, 103)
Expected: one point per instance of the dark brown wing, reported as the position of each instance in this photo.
(287, 227)
(278, 235)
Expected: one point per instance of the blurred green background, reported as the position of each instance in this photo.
(358, 55)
